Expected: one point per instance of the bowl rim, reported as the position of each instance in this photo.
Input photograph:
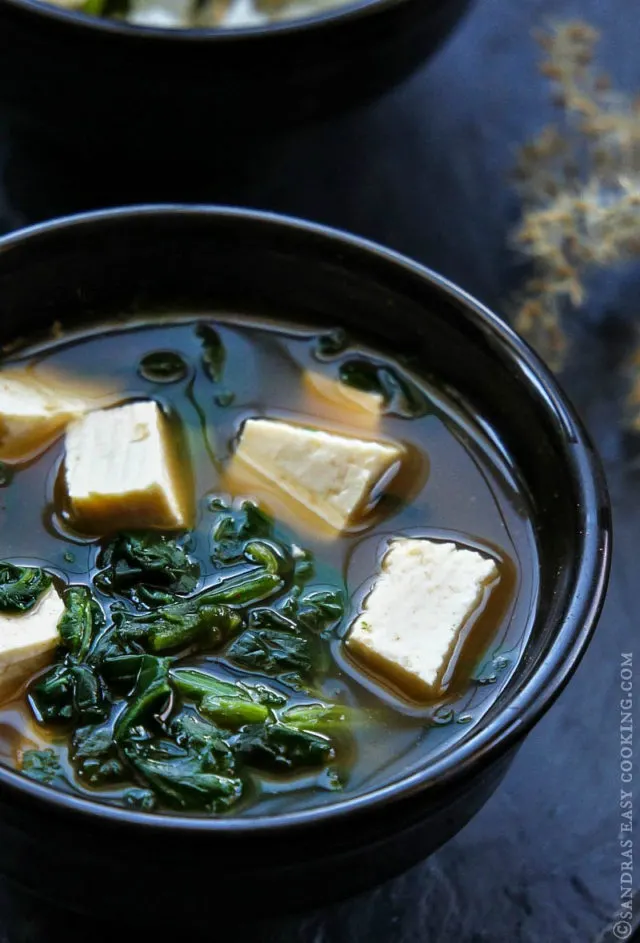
(536, 696)
(351, 11)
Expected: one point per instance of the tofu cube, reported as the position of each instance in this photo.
(35, 408)
(331, 475)
(123, 471)
(425, 595)
(336, 400)
(27, 639)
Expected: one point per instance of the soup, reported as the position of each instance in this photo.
(185, 14)
(246, 566)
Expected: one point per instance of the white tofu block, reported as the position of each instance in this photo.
(336, 399)
(414, 614)
(123, 471)
(27, 640)
(331, 475)
(35, 407)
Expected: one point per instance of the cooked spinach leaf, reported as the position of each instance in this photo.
(119, 668)
(318, 610)
(21, 586)
(270, 555)
(208, 618)
(80, 621)
(179, 625)
(280, 746)
(185, 779)
(213, 352)
(73, 690)
(264, 617)
(233, 526)
(180, 737)
(41, 765)
(95, 755)
(233, 711)
(265, 695)
(202, 685)
(68, 692)
(245, 589)
(89, 696)
(303, 565)
(142, 800)
(230, 705)
(272, 651)
(329, 719)
(51, 697)
(136, 565)
(191, 730)
(92, 741)
(400, 396)
(198, 684)
(151, 693)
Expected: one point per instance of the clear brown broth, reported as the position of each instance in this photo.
(459, 484)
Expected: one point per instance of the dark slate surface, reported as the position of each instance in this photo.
(425, 171)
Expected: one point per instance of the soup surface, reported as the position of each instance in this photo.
(202, 667)
(192, 14)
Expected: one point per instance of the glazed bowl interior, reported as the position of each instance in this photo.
(147, 260)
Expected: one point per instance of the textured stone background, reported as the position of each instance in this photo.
(425, 171)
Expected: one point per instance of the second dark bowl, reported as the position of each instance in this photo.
(126, 93)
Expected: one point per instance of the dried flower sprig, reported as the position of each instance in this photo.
(580, 187)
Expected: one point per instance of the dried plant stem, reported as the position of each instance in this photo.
(580, 187)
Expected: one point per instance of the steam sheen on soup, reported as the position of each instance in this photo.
(246, 567)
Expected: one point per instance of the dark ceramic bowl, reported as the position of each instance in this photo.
(123, 92)
(86, 855)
